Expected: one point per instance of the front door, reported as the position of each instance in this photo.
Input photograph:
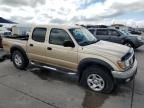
(102, 34)
(59, 55)
(115, 36)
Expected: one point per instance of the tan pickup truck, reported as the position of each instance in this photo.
(99, 64)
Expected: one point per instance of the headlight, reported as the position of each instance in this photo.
(123, 64)
(139, 38)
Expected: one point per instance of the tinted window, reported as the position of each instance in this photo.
(113, 33)
(39, 34)
(102, 32)
(58, 36)
(92, 31)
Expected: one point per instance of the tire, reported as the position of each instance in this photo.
(104, 79)
(129, 44)
(20, 61)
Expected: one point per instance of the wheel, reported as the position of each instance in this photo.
(97, 79)
(129, 44)
(19, 60)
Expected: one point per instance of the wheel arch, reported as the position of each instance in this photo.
(91, 61)
(18, 48)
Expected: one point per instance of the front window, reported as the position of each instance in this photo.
(58, 36)
(83, 36)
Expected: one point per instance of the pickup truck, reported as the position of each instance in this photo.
(99, 64)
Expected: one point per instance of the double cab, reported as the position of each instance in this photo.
(98, 64)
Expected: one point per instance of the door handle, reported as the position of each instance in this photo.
(49, 48)
(31, 45)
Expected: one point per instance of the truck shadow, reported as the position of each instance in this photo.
(94, 100)
(91, 99)
(1, 60)
(97, 100)
(3, 56)
(50, 75)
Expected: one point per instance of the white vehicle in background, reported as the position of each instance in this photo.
(21, 30)
(4, 32)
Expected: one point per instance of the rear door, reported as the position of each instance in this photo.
(102, 34)
(115, 36)
(36, 44)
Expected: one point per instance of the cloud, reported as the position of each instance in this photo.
(14, 2)
(134, 5)
(69, 11)
(5, 9)
(21, 19)
(86, 3)
(58, 21)
(22, 2)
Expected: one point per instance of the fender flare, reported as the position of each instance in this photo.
(19, 48)
(92, 61)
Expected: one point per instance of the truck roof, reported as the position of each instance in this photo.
(58, 26)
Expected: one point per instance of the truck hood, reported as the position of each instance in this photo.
(106, 48)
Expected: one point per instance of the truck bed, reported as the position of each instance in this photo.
(18, 37)
(8, 42)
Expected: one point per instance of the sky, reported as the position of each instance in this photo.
(128, 12)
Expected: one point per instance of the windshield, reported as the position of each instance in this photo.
(125, 32)
(83, 36)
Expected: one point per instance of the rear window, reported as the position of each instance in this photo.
(113, 33)
(39, 34)
(102, 32)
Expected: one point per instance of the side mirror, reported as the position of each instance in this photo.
(69, 44)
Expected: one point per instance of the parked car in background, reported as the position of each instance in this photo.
(135, 32)
(4, 32)
(21, 30)
(117, 36)
(98, 64)
(1, 42)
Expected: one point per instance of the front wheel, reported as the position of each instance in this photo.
(97, 79)
(19, 60)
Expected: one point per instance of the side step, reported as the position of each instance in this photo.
(64, 71)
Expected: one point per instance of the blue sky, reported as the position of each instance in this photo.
(129, 12)
(132, 15)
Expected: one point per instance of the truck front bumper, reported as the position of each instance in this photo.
(126, 75)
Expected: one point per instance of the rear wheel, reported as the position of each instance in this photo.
(97, 79)
(19, 60)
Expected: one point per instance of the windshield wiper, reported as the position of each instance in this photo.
(92, 42)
